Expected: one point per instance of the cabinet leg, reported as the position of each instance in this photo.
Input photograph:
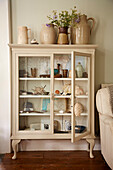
(92, 143)
(14, 146)
(88, 150)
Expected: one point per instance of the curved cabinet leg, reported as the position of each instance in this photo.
(88, 150)
(14, 146)
(92, 143)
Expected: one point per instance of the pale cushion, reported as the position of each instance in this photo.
(106, 134)
(103, 102)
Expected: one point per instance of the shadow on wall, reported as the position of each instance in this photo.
(97, 38)
(100, 78)
(100, 68)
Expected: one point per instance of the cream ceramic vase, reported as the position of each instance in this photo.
(81, 34)
(23, 34)
(48, 34)
(79, 70)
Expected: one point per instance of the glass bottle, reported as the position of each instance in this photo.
(79, 70)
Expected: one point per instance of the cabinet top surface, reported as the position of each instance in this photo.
(54, 46)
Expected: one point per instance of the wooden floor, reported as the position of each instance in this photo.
(54, 160)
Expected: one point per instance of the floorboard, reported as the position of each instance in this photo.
(54, 160)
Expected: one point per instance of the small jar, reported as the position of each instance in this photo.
(65, 73)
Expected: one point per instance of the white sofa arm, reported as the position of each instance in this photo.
(103, 102)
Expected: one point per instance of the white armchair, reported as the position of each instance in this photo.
(104, 102)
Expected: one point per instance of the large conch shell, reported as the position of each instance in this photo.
(78, 109)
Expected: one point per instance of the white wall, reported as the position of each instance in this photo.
(4, 79)
(33, 14)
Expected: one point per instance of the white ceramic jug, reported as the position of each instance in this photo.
(23, 35)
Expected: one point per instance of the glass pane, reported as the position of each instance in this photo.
(62, 93)
(82, 86)
(34, 93)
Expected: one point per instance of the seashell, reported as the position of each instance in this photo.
(67, 88)
(39, 90)
(34, 41)
(78, 91)
(57, 92)
(87, 93)
(78, 109)
(67, 125)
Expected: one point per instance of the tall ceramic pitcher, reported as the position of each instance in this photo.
(83, 30)
(23, 35)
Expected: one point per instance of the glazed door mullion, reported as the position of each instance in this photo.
(73, 97)
(52, 96)
(17, 92)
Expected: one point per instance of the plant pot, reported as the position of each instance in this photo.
(48, 34)
(63, 35)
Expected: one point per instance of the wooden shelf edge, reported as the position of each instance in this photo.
(70, 46)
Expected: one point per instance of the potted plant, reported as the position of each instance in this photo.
(63, 21)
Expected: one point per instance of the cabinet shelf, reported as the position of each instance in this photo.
(62, 114)
(33, 96)
(82, 97)
(43, 114)
(62, 79)
(63, 97)
(47, 96)
(84, 114)
(48, 114)
(77, 79)
(34, 114)
(41, 79)
(27, 78)
(81, 79)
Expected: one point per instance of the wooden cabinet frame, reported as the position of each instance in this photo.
(50, 50)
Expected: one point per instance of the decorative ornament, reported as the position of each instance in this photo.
(78, 109)
(67, 89)
(39, 90)
(57, 92)
(34, 41)
(78, 90)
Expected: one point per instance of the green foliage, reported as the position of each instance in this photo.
(64, 18)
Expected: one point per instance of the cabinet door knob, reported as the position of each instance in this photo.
(52, 96)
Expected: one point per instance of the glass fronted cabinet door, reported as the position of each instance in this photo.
(80, 100)
(62, 93)
(34, 75)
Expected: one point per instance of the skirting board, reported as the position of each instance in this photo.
(43, 145)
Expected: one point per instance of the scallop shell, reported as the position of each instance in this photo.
(78, 109)
(79, 90)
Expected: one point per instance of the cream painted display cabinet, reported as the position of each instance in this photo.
(52, 93)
